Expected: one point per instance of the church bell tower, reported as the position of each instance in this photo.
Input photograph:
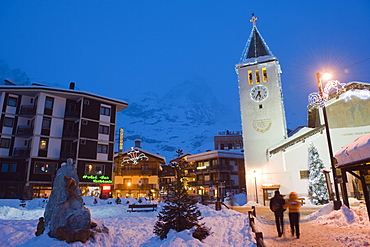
(262, 109)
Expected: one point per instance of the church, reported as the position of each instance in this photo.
(275, 159)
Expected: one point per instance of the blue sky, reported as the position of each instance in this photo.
(118, 48)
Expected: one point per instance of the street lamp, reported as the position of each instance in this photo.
(129, 188)
(318, 100)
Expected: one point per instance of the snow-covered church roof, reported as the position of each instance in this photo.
(354, 153)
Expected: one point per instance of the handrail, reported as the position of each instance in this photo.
(259, 235)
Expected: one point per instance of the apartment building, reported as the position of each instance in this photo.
(41, 127)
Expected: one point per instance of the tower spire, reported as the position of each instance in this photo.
(256, 46)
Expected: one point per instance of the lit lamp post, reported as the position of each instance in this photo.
(254, 174)
(129, 188)
(318, 100)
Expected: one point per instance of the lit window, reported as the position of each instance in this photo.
(102, 148)
(94, 169)
(12, 101)
(257, 76)
(264, 75)
(43, 144)
(250, 78)
(8, 122)
(105, 111)
(45, 167)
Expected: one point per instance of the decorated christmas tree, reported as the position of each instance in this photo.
(180, 212)
(317, 189)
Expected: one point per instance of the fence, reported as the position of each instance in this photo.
(259, 236)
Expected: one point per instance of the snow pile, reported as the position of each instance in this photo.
(356, 217)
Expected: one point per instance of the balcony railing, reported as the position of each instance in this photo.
(135, 187)
(66, 155)
(21, 152)
(137, 172)
(27, 110)
(24, 130)
(72, 115)
(70, 134)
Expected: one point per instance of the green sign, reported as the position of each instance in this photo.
(98, 179)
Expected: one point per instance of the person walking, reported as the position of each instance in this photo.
(276, 205)
(293, 204)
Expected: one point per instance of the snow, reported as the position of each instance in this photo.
(356, 151)
(228, 227)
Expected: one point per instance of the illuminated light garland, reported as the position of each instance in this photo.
(318, 100)
(134, 156)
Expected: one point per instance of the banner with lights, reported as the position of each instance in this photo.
(98, 179)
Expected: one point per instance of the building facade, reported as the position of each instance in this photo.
(218, 173)
(137, 173)
(41, 127)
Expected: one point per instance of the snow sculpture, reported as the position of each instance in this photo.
(65, 212)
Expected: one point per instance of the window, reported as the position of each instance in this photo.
(102, 148)
(4, 167)
(94, 169)
(144, 180)
(43, 143)
(8, 122)
(4, 143)
(49, 103)
(103, 129)
(12, 101)
(264, 75)
(84, 122)
(250, 79)
(304, 174)
(13, 167)
(86, 102)
(45, 167)
(46, 123)
(105, 111)
(257, 76)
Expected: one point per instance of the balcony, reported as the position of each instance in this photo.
(27, 110)
(21, 152)
(71, 135)
(72, 115)
(24, 130)
(138, 173)
(11, 176)
(65, 155)
(135, 187)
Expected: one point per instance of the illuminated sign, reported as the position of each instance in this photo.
(106, 187)
(98, 179)
(120, 139)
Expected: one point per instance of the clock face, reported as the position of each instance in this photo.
(259, 93)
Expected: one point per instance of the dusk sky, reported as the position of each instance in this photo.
(118, 48)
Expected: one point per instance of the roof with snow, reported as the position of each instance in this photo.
(354, 153)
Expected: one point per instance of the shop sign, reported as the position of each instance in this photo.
(98, 179)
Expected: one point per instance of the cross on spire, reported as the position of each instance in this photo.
(254, 19)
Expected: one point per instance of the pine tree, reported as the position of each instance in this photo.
(317, 189)
(180, 212)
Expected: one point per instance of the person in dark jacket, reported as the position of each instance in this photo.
(276, 206)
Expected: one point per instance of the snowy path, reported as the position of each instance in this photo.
(313, 235)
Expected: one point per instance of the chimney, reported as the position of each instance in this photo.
(72, 85)
(137, 143)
